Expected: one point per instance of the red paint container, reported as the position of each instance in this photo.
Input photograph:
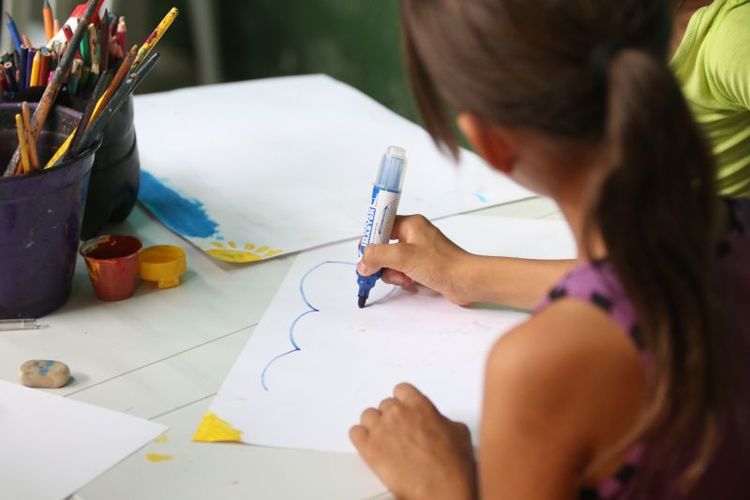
(112, 262)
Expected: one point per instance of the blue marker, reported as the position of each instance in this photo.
(386, 193)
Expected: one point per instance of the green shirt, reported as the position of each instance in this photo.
(713, 64)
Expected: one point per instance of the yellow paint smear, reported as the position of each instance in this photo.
(163, 439)
(231, 252)
(158, 457)
(212, 429)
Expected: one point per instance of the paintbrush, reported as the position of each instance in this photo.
(122, 72)
(122, 94)
(88, 112)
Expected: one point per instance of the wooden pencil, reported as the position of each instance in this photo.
(104, 42)
(50, 94)
(49, 24)
(22, 147)
(156, 35)
(30, 140)
(44, 65)
(34, 78)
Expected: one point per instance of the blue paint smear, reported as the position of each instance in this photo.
(182, 215)
(481, 197)
(311, 309)
(44, 368)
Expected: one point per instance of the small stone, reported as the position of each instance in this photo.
(44, 373)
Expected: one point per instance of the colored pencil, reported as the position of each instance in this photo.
(10, 75)
(25, 39)
(35, 64)
(156, 35)
(29, 67)
(23, 57)
(75, 76)
(50, 93)
(44, 65)
(15, 36)
(30, 140)
(104, 42)
(49, 24)
(22, 146)
(56, 25)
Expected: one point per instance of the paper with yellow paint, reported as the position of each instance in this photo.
(316, 361)
(213, 429)
(51, 446)
(268, 167)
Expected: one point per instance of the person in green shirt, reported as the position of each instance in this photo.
(711, 59)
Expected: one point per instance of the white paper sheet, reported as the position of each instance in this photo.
(316, 361)
(251, 170)
(52, 446)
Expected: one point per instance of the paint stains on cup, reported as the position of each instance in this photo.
(112, 262)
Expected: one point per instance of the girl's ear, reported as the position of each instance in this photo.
(497, 146)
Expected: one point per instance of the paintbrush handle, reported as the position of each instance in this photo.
(88, 112)
(122, 94)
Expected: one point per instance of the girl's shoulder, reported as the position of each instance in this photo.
(573, 380)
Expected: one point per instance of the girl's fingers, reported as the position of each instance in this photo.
(410, 395)
(393, 256)
(393, 277)
(370, 417)
(358, 436)
(388, 404)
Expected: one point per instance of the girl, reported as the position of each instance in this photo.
(631, 378)
(710, 49)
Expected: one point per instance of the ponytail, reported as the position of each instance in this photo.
(657, 212)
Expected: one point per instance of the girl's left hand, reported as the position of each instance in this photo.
(416, 451)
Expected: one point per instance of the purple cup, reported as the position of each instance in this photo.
(40, 219)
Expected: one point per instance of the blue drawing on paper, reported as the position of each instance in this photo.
(310, 309)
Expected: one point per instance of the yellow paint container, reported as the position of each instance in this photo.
(163, 264)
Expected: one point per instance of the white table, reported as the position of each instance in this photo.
(162, 355)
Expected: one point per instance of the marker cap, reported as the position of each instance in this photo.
(392, 168)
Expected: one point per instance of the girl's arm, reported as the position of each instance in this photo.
(424, 255)
(560, 390)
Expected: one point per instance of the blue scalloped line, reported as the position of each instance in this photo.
(310, 310)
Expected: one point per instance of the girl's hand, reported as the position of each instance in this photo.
(423, 255)
(416, 451)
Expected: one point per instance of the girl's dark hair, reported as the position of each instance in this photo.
(595, 70)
